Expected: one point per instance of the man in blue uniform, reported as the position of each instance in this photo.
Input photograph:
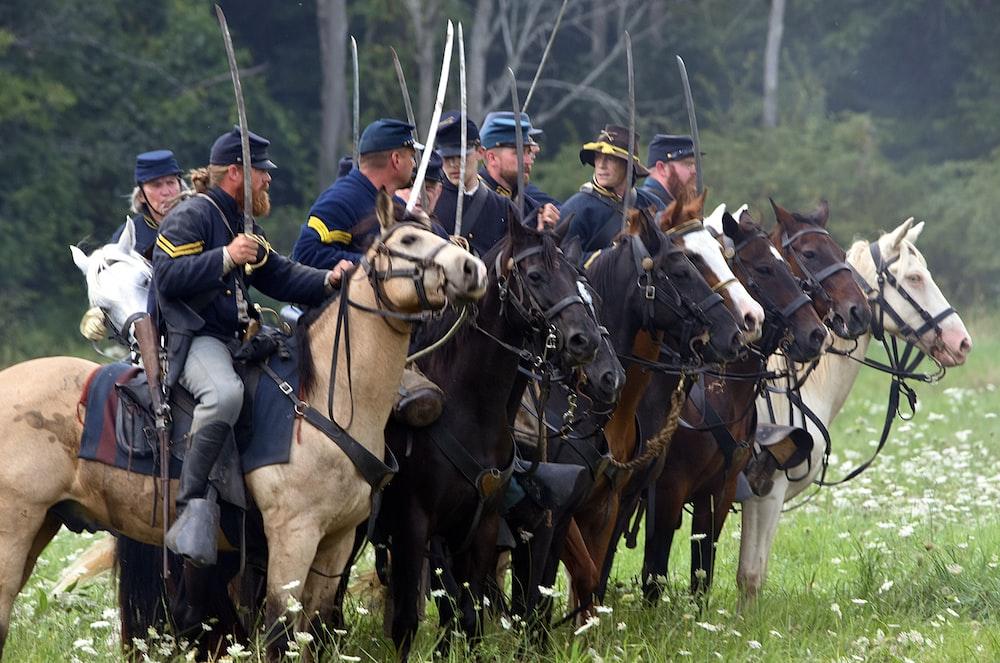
(485, 213)
(158, 186)
(499, 170)
(341, 224)
(597, 207)
(433, 179)
(670, 157)
(203, 299)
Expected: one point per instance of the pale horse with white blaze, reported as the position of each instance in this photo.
(699, 240)
(827, 387)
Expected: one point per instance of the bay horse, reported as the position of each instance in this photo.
(453, 474)
(680, 307)
(713, 442)
(310, 506)
(906, 304)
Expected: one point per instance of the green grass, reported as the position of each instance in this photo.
(900, 564)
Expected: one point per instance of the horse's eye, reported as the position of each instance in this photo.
(808, 255)
(409, 239)
(536, 277)
(681, 274)
(764, 269)
(915, 279)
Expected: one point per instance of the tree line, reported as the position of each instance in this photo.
(886, 110)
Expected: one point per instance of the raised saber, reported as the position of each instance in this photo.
(405, 91)
(357, 98)
(630, 161)
(519, 143)
(693, 122)
(418, 183)
(241, 111)
(460, 201)
(545, 55)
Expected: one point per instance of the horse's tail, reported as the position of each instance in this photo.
(142, 589)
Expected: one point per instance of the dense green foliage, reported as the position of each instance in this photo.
(887, 111)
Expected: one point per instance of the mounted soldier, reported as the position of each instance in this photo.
(671, 163)
(202, 294)
(597, 207)
(485, 213)
(499, 170)
(158, 186)
(433, 181)
(341, 224)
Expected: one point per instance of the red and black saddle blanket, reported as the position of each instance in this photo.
(119, 427)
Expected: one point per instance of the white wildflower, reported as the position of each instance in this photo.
(547, 591)
(604, 609)
(362, 610)
(886, 586)
(954, 569)
(100, 623)
(835, 607)
(859, 601)
(589, 624)
(698, 537)
(905, 531)
(753, 644)
(238, 651)
(708, 626)
(621, 626)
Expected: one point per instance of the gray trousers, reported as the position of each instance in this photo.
(210, 377)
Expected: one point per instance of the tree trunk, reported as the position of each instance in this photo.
(772, 56)
(332, 23)
(476, 50)
(424, 18)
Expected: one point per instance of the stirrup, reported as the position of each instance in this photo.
(194, 534)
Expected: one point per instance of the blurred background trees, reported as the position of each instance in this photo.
(887, 110)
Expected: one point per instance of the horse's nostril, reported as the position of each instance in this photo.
(817, 337)
(750, 322)
(582, 343)
(469, 268)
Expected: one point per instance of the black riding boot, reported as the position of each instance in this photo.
(193, 535)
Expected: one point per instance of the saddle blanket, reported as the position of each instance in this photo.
(263, 433)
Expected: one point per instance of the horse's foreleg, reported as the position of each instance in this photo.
(659, 535)
(24, 533)
(579, 565)
(291, 551)
(409, 545)
(471, 570)
(760, 524)
(322, 588)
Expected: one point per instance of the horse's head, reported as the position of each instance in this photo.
(118, 278)
(540, 285)
(908, 303)
(758, 265)
(604, 377)
(671, 296)
(414, 268)
(816, 258)
(682, 221)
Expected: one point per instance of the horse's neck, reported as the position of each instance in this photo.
(737, 393)
(620, 430)
(364, 395)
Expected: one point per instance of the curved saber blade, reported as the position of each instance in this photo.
(519, 142)
(459, 203)
(241, 110)
(418, 183)
(357, 97)
(630, 162)
(693, 122)
(545, 55)
(404, 90)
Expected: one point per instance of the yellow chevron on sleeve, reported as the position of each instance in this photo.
(326, 235)
(190, 249)
(591, 259)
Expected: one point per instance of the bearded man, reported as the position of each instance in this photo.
(597, 207)
(671, 164)
(203, 301)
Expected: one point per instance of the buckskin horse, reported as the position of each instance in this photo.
(453, 474)
(670, 301)
(906, 305)
(712, 444)
(310, 506)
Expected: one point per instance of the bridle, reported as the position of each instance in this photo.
(812, 282)
(419, 265)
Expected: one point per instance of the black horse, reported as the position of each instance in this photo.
(453, 474)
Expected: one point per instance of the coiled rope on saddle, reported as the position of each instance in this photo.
(658, 443)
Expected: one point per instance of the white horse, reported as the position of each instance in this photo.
(118, 278)
(826, 389)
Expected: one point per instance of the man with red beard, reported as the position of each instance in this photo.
(204, 304)
(671, 164)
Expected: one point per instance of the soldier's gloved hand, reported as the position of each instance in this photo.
(548, 217)
(243, 249)
(92, 325)
(336, 275)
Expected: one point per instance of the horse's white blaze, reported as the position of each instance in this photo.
(776, 254)
(829, 384)
(705, 245)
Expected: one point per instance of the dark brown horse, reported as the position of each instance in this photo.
(711, 447)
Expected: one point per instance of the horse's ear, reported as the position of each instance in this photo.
(384, 209)
(714, 220)
(80, 258)
(896, 237)
(822, 213)
(698, 202)
(668, 217)
(730, 225)
(126, 242)
(914, 232)
(573, 250)
(782, 215)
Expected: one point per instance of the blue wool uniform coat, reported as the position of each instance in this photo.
(145, 232)
(490, 224)
(194, 297)
(654, 188)
(530, 204)
(540, 196)
(340, 224)
(597, 217)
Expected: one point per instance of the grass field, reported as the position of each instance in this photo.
(900, 564)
